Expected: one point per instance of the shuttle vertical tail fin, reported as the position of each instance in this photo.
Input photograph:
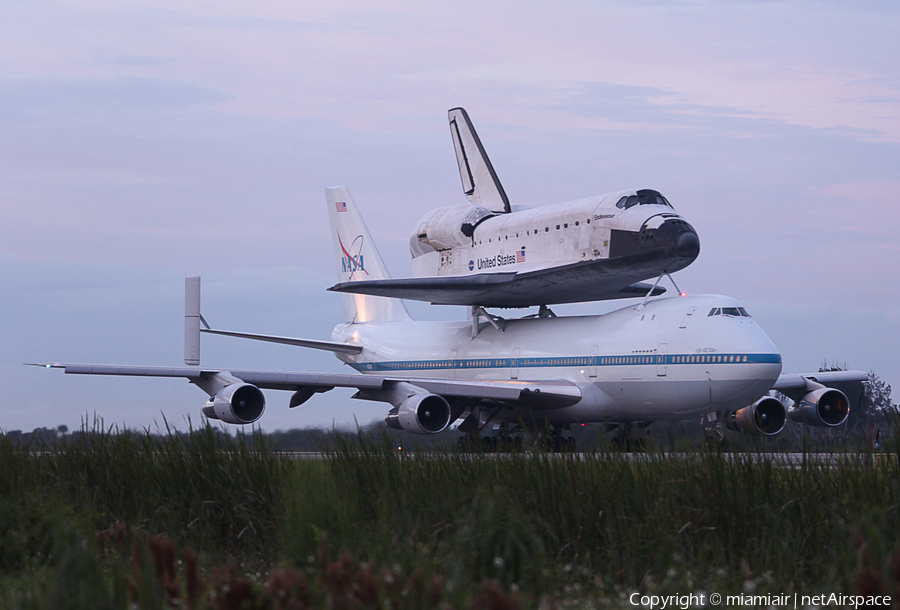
(358, 259)
(480, 182)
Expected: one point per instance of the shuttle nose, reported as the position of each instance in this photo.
(676, 234)
(687, 245)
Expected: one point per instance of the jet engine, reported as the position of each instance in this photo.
(825, 407)
(421, 414)
(238, 403)
(765, 417)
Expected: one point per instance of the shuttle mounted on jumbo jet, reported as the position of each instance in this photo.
(490, 253)
(687, 357)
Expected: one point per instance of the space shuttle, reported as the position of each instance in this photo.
(490, 253)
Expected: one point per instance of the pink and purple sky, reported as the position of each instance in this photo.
(141, 142)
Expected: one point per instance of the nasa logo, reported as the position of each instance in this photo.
(471, 265)
(351, 263)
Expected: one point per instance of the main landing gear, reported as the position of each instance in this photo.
(490, 444)
(626, 441)
(714, 438)
(548, 441)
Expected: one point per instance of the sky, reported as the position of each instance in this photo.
(145, 141)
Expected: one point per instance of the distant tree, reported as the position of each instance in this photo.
(876, 400)
(834, 366)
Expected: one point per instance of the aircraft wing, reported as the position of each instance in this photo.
(574, 283)
(547, 394)
(795, 386)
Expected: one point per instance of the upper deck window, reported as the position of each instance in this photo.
(643, 197)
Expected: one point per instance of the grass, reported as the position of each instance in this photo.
(117, 517)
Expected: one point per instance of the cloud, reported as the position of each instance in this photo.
(140, 143)
(22, 98)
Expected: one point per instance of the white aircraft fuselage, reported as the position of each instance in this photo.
(669, 359)
(665, 359)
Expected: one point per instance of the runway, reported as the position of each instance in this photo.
(789, 460)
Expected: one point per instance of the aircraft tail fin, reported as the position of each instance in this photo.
(358, 259)
(192, 320)
(480, 182)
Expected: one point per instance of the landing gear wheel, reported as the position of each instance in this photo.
(506, 444)
(628, 444)
(467, 444)
(716, 444)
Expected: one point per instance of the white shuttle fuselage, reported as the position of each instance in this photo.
(490, 253)
(649, 233)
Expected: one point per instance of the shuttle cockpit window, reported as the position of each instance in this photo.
(737, 312)
(643, 197)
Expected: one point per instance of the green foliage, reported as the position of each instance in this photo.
(110, 517)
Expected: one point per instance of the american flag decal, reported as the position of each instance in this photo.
(520, 256)
(341, 206)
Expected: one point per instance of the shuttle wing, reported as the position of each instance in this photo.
(547, 394)
(578, 282)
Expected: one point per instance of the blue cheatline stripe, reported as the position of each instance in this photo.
(566, 361)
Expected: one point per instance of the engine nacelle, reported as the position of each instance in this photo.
(238, 403)
(448, 227)
(421, 414)
(825, 407)
(765, 417)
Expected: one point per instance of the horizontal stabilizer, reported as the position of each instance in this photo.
(342, 348)
(192, 329)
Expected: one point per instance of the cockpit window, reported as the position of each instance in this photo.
(643, 197)
(737, 312)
